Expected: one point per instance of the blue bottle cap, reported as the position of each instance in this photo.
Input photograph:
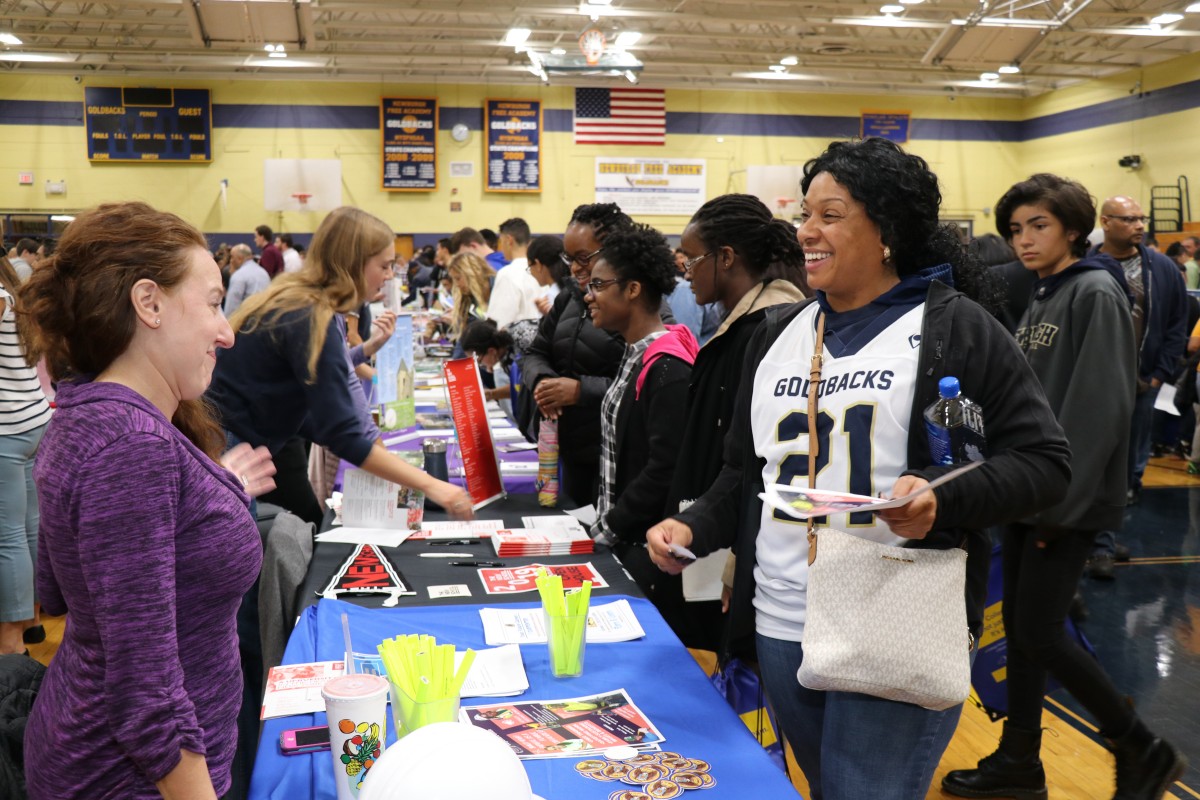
(948, 387)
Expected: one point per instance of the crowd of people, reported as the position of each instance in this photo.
(188, 386)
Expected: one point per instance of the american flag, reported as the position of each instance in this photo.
(620, 116)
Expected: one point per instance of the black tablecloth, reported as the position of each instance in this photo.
(421, 573)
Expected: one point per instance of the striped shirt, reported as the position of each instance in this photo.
(23, 406)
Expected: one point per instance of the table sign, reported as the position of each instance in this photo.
(394, 366)
(481, 465)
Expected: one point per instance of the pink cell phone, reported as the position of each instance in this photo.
(304, 740)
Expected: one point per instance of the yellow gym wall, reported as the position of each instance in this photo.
(973, 173)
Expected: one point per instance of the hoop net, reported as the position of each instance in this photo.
(591, 42)
(302, 198)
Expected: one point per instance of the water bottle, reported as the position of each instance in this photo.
(435, 465)
(955, 426)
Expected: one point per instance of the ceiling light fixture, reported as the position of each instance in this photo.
(789, 61)
(278, 52)
(989, 77)
(891, 9)
(1009, 69)
(558, 51)
(777, 68)
(626, 39)
(36, 58)
(912, 2)
(516, 36)
(1194, 8)
(1011, 22)
(270, 48)
(10, 38)
(1166, 19)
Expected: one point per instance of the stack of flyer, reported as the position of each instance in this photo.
(564, 537)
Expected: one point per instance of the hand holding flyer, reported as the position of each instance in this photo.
(804, 503)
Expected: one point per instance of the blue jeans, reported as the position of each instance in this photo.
(853, 746)
(18, 524)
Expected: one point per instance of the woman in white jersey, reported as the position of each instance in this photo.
(885, 273)
(23, 417)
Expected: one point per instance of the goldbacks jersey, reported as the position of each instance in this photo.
(864, 404)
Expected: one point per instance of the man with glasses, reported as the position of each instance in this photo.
(1159, 324)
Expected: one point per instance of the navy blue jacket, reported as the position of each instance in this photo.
(1165, 330)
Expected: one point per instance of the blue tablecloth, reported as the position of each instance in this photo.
(658, 672)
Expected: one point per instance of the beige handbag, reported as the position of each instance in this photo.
(890, 622)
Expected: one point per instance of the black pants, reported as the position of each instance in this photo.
(1038, 586)
(579, 481)
(292, 490)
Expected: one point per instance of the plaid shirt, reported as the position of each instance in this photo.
(608, 435)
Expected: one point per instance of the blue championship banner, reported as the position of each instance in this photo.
(143, 124)
(892, 125)
(409, 129)
(514, 154)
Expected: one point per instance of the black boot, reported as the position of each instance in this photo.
(1014, 770)
(1146, 764)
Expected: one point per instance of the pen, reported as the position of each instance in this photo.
(477, 563)
(448, 542)
(447, 555)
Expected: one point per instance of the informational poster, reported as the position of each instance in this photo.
(892, 125)
(481, 467)
(409, 127)
(146, 124)
(513, 145)
(515, 580)
(650, 186)
(394, 366)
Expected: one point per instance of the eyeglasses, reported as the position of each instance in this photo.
(596, 285)
(1129, 220)
(691, 262)
(583, 261)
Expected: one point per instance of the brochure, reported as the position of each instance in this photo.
(569, 728)
(610, 622)
(804, 503)
(296, 688)
(514, 580)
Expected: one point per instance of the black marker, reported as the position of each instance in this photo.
(449, 542)
(477, 563)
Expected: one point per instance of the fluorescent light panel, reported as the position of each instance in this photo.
(46, 58)
(516, 36)
(1166, 19)
(10, 39)
(627, 39)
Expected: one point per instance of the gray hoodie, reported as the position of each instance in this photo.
(1078, 337)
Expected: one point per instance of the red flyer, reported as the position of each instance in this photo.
(481, 466)
(514, 580)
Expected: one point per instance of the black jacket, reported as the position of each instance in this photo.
(647, 447)
(568, 345)
(1028, 468)
(20, 680)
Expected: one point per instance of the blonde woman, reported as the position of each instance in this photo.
(473, 278)
(286, 372)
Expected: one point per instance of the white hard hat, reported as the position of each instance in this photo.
(448, 761)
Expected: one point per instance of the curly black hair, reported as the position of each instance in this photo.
(1066, 199)
(481, 335)
(640, 253)
(765, 243)
(603, 217)
(901, 195)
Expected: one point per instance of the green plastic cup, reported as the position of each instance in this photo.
(410, 714)
(565, 638)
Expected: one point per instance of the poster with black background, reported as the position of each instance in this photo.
(148, 124)
(514, 136)
(409, 126)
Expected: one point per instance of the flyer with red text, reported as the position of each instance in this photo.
(481, 466)
(514, 580)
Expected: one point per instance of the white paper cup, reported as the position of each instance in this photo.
(356, 707)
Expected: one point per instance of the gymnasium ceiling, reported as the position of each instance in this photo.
(932, 47)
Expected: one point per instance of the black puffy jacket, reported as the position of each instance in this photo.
(569, 346)
(20, 679)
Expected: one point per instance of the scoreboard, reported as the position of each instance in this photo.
(146, 124)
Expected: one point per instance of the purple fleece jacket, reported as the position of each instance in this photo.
(148, 547)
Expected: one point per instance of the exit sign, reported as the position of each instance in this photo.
(25, 178)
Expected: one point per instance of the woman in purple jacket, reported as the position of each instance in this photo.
(147, 542)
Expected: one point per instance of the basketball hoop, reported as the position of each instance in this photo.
(782, 203)
(302, 198)
(591, 42)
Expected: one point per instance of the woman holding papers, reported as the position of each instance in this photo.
(147, 542)
(286, 372)
(732, 246)
(640, 413)
(885, 273)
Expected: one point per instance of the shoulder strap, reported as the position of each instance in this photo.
(814, 381)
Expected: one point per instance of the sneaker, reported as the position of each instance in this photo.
(1101, 567)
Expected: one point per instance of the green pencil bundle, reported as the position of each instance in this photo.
(425, 685)
(566, 623)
